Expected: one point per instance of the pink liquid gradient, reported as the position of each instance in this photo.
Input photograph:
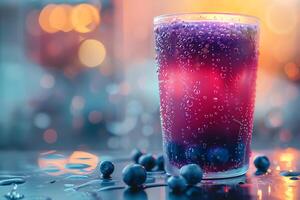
(207, 75)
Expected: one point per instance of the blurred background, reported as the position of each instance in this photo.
(81, 74)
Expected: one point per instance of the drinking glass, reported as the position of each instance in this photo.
(207, 65)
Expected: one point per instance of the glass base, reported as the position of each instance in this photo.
(173, 170)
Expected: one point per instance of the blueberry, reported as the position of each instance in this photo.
(192, 173)
(195, 154)
(262, 163)
(106, 168)
(160, 163)
(134, 175)
(175, 152)
(177, 184)
(136, 154)
(148, 161)
(218, 155)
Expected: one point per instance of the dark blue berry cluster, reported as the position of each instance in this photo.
(148, 161)
(190, 175)
(135, 175)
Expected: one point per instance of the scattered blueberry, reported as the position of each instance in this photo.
(106, 168)
(177, 184)
(160, 163)
(175, 152)
(192, 173)
(134, 175)
(148, 161)
(262, 163)
(288, 173)
(136, 154)
(218, 155)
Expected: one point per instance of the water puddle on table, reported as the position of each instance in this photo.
(14, 194)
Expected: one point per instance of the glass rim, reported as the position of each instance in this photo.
(206, 16)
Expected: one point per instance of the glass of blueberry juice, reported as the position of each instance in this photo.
(207, 65)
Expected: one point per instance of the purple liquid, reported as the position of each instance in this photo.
(207, 73)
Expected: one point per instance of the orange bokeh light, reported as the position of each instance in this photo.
(83, 157)
(44, 18)
(281, 17)
(91, 53)
(56, 163)
(85, 18)
(59, 18)
(82, 18)
(292, 71)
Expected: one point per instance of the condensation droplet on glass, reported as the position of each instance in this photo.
(189, 103)
(220, 108)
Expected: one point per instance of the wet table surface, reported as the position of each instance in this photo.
(55, 175)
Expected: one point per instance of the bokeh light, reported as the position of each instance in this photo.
(52, 163)
(59, 18)
(85, 18)
(287, 158)
(68, 25)
(82, 157)
(47, 81)
(77, 103)
(79, 162)
(82, 18)
(91, 53)
(292, 71)
(42, 120)
(50, 136)
(44, 18)
(281, 17)
(95, 117)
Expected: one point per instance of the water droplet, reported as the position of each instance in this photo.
(13, 194)
(220, 108)
(189, 103)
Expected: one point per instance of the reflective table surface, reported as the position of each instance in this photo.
(55, 175)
